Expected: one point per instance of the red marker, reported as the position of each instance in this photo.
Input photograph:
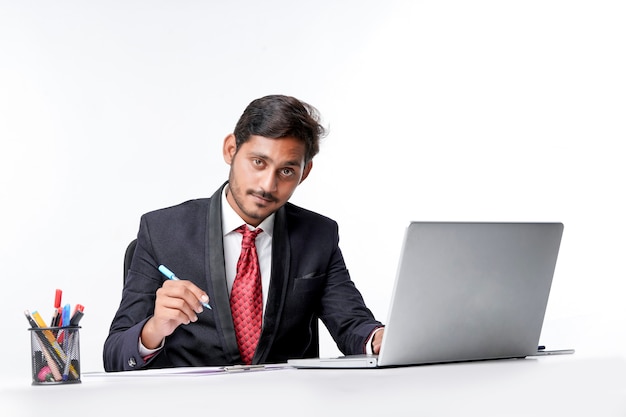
(57, 298)
(79, 307)
(56, 316)
(78, 314)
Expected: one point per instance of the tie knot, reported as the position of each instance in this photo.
(248, 235)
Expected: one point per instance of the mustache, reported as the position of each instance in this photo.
(264, 195)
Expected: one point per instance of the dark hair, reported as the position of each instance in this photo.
(278, 116)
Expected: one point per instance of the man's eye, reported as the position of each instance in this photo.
(286, 172)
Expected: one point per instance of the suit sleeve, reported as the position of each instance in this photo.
(343, 310)
(121, 348)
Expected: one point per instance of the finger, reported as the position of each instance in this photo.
(177, 304)
(202, 298)
(190, 292)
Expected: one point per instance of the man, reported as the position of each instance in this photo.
(303, 277)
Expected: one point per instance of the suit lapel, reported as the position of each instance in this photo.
(281, 255)
(217, 277)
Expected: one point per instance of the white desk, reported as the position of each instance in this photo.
(547, 386)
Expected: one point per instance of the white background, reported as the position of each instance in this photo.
(438, 110)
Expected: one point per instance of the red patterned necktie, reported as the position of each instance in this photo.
(246, 297)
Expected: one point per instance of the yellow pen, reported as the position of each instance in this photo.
(49, 335)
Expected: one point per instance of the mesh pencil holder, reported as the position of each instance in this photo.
(55, 354)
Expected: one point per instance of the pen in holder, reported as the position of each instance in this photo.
(55, 353)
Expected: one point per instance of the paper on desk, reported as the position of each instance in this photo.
(189, 371)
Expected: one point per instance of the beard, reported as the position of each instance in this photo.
(249, 210)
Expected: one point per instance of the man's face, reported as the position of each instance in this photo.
(264, 173)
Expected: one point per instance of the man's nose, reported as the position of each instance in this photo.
(269, 181)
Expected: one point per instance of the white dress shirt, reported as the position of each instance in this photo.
(232, 246)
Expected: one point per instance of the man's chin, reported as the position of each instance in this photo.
(258, 213)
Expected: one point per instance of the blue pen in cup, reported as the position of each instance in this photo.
(170, 275)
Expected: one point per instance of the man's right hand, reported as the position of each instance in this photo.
(177, 302)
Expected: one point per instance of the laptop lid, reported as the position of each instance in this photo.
(470, 291)
(466, 291)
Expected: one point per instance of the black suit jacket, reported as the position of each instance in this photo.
(309, 281)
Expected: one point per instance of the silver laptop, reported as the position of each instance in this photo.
(465, 292)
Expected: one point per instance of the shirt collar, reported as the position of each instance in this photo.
(231, 220)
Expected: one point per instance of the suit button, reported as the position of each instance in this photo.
(132, 362)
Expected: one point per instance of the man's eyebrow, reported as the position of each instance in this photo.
(292, 162)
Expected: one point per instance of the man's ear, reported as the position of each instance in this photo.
(307, 169)
(230, 148)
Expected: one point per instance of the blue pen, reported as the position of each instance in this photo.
(170, 275)
(66, 315)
